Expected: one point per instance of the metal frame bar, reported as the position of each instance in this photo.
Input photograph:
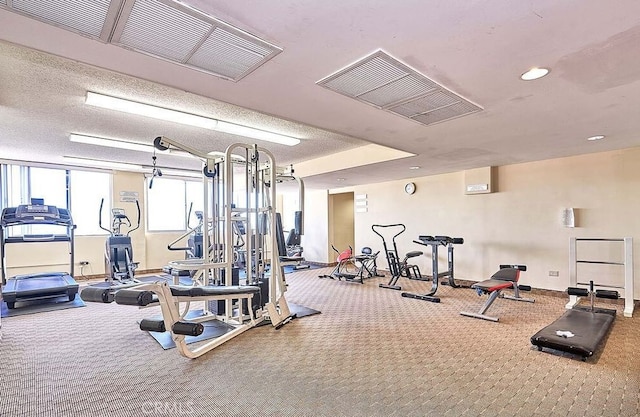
(628, 270)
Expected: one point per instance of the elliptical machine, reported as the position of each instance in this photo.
(194, 247)
(118, 251)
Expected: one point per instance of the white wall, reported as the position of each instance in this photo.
(316, 225)
(520, 223)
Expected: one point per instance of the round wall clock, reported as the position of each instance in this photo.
(410, 188)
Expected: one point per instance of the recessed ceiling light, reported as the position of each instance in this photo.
(340, 179)
(414, 167)
(596, 137)
(534, 74)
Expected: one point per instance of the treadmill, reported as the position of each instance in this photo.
(41, 286)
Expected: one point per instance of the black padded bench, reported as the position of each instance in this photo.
(580, 330)
(145, 297)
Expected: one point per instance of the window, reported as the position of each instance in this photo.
(88, 189)
(195, 196)
(78, 191)
(166, 205)
(50, 185)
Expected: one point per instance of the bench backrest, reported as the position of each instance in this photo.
(507, 274)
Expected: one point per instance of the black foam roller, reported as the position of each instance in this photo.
(149, 325)
(580, 292)
(187, 329)
(134, 297)
(96, 295)
(614, 295)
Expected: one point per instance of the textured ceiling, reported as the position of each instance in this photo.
(477, 49)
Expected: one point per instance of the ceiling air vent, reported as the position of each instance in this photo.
(85, 17)
(173, 31)
(165, 29)
(161, 30)
(388, 84)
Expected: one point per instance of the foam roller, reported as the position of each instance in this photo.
(149, 325)
(96, 295)
(134, 297)
(614, 295)
(187, 329)
(580, 292)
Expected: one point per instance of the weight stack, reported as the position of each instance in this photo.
(218, 306)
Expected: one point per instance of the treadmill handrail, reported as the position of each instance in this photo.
(37, 238)
(35, 220)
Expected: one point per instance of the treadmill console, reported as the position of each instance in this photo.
(37, 212)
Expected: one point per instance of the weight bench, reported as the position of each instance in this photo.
(169, 297)
(506, 278)
(580, 330)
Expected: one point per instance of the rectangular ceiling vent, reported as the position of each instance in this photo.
(165, 29)
(84, 17)
(388, 84)
(173, 31)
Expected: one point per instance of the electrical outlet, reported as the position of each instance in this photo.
(554, 273)
(84, 263)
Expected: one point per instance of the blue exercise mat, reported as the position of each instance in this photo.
(41, 306)
(212, 329)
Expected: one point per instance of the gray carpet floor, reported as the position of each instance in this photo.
(369, 353)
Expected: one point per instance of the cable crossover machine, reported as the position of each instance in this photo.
(250, 172)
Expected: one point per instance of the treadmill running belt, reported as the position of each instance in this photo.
(25, 288)
(36, 285)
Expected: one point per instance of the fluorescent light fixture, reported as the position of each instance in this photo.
(132, 107)
(596, 137)
(534, 74)
(97, 163)
(112, 143)
(124, 144)
(141, 109)
(251, 132)
(414, 167)
(179, 173)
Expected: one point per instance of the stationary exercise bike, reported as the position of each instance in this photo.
(118, 253)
